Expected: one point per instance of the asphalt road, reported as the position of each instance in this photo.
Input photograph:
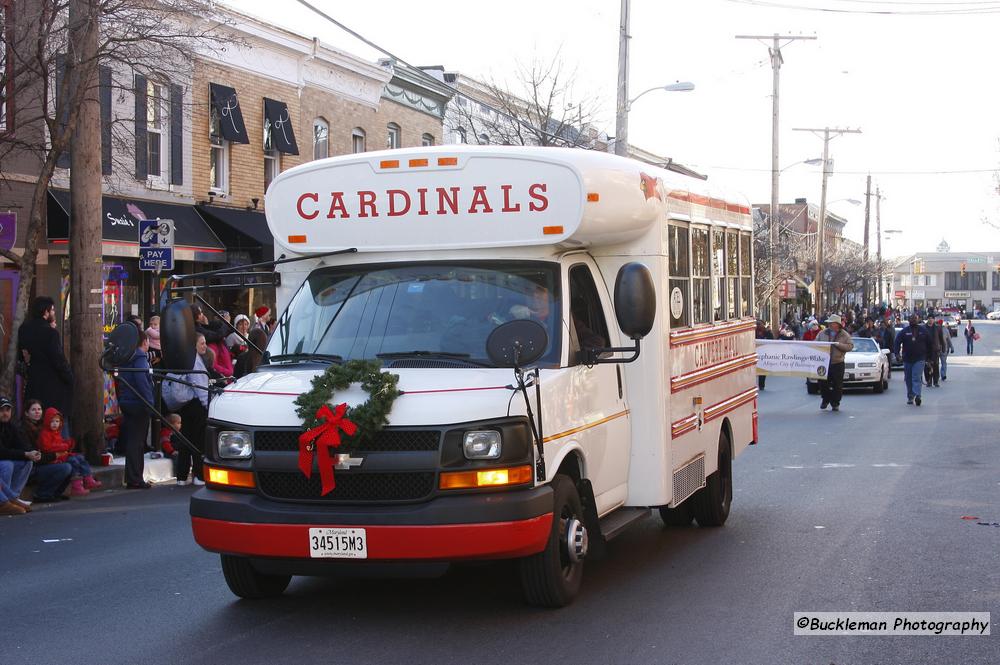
(855, 511)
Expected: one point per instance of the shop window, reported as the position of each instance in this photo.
(484, 139)
(701, 276)
(680, 274)
(218, 169)
(427, 140)
(996, 280)
(394, 136)
(977, 280)
(272, 166)
(321, 139)
(718, 275)
(357, 140)
(463, 137)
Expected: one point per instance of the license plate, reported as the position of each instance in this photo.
(338, 544)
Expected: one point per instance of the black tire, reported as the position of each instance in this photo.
(246, 582)
(678, 516)
(550, 578)
(812, 388)
(711, 503)
(878, 386)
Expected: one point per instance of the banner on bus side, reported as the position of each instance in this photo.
(778, 357)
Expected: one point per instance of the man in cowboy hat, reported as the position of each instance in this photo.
(840, 343)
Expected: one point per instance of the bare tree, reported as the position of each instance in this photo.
(791, 256)
(538, 107)
(55, 57)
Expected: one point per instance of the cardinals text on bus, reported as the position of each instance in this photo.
(422, 201)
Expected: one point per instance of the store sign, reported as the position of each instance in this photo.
(156, 244)
(975, 259)
(957, 294)
(900, 294)
(918, 295)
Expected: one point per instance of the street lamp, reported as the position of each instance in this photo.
(811, 162)
(621, 137)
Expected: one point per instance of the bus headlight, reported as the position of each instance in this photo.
(482, 444)
(235, 444)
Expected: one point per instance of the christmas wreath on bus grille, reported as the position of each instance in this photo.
(329, 427)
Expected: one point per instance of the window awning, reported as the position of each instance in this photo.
(225, 102)
(194, 240)
(240, 229)
(278, 127)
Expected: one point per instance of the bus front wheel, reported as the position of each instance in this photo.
(552, 577)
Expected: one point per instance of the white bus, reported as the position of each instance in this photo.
(570, 257)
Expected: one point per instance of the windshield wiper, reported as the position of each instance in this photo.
(443, 355)
(317, 357)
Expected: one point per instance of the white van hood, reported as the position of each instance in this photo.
(430, 397)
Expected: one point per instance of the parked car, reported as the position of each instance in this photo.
(866, 366)
(952, 319)
(994, 316)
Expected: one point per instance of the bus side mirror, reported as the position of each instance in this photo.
(177, 338)
(635, 300)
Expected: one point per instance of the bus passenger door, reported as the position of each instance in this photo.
(597, 392)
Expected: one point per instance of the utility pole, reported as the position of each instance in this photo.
(621, 117)
(87, 419)
(878, 232)
(868, 200)
(774, 50)
(821, 223)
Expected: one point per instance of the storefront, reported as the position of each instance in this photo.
(126, 289)
(248, 240)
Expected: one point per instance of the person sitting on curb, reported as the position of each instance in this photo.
(50, 440)
(16, 461)
(51, 478)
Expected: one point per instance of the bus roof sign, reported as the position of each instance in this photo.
(425, 199)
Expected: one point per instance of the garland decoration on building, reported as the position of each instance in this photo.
(324, 426)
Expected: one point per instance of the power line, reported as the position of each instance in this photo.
(985, 8)
(865, 172)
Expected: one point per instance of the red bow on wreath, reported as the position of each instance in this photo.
(320, 439)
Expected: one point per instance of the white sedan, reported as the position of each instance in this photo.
(992, 316)
(866, 366)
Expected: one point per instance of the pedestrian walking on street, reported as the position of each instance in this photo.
(970, 337)
(762, 332)
(49, 377)
(932, 368)
(832, 389)
(946, 348)
(912, 345)
(135, 390)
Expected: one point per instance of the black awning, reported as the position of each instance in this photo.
(238, 228)
(227, 105)
(278, 128)
(120, 221)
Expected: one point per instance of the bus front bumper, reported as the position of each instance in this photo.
(498, 525)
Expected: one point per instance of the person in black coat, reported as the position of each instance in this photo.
(49, 377)
(135, 391)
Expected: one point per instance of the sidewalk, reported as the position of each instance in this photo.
(156, 471)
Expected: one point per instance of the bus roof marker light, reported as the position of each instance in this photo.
(552, 230)
(417, 162)
(447, 161)
(593, 197)
(297, 239)
(389, 164)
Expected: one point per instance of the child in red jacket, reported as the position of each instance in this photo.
(50, 440)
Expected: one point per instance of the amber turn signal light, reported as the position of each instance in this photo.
(229, 477)
(458, 480)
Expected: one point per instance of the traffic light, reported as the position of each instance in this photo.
(962, 269)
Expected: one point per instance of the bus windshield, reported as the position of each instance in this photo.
(435, 311)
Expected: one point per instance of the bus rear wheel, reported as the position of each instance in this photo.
(246, 582)
(712, 502)
(552, 577)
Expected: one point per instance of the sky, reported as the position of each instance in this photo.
(917, 86)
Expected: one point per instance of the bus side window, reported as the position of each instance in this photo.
(588, 328)
(679, 258)
(719, 274)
